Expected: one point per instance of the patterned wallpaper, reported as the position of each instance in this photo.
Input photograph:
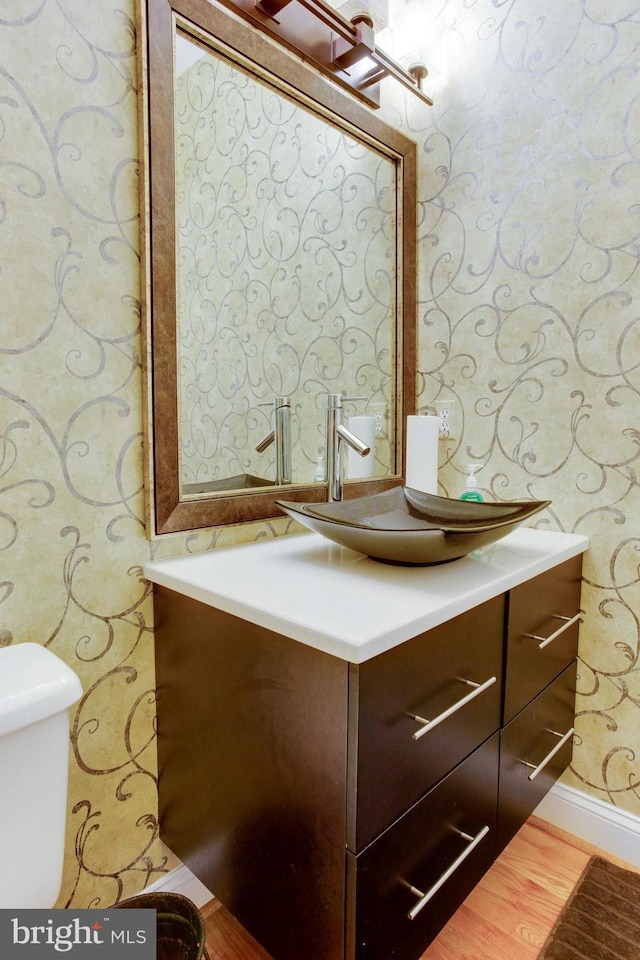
(287, 273)
(529, 256)
(529, 320)
(71, 535)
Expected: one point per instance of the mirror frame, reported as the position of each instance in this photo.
(213, 25)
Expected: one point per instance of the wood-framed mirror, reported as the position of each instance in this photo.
(280, 259)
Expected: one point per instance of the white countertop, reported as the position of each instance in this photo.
(339, 601)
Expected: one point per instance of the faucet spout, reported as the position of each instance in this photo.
(281, 436)
(336, 435)
(354, 442)
(266, 442)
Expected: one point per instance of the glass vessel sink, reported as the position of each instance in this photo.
(406, 526)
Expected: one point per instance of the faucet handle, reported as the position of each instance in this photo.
(335, 400)
(276, 402)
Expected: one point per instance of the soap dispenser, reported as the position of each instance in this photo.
(471, 491)
(319, 474)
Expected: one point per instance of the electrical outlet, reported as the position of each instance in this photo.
(379, 411)
(447, 412)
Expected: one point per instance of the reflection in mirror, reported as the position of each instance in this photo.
(286, 277)
(280, 254)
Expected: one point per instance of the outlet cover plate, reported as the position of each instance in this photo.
(447, 411)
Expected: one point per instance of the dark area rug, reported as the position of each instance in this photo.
(601, 919)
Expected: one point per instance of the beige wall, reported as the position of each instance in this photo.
(528, 247)
(529, 286)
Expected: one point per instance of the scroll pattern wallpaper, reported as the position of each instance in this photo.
(71, 534)
(529, 308)
(287, 274)
(528, 320)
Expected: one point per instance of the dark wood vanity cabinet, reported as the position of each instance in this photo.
(541, 645)
(392, 761)
(344, 811)
(454, 823)
(542, 633)
(535, 747)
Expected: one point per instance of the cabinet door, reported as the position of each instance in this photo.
(542, 636)
(406, 885)
(535, 749)
(252, 745)
(453, 671)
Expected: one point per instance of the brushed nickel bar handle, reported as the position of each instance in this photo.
(569, 622)
(430, 724)
(550, 755)
(431, 892)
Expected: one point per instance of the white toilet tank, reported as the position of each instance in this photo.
(36, 691)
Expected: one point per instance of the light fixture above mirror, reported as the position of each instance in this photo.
(339, 40)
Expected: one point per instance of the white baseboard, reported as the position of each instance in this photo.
(181, 880)
(613, 830)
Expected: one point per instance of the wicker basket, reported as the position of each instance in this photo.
(180, 927)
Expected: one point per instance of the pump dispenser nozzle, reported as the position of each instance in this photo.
(471, 491)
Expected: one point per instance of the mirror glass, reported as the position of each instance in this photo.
(286, 259)
(280, 268)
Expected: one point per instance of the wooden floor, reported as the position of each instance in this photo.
(506, 917)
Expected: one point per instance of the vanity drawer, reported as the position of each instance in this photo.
(535, 748)
(542, 634)
(393, 758)
(442, 847)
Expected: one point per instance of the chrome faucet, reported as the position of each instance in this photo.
(281, 436)
(335, 433)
